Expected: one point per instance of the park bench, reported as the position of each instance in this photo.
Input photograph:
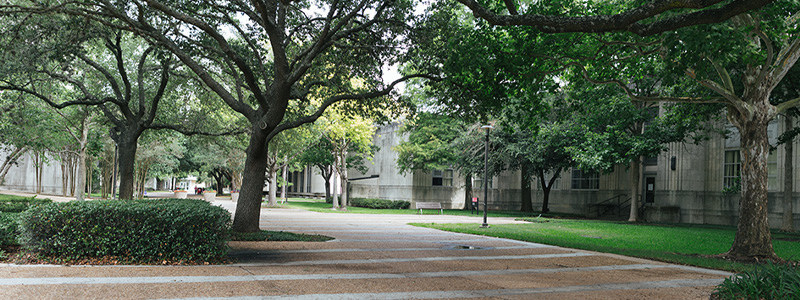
(429, 205)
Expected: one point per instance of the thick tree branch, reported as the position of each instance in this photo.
(723, 74)
(634, 20)
(140, 80)
(82, 101)
(198, 69)
(80, 85)
(159, 93)
(331, 100)
(633, 96)
(249, 75)
(190, 132)
(116, 48)
(253, 47)
(784, 106)
(110, 78)
(328, 35)
(786, 58)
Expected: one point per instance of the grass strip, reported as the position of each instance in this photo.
(675, 243)
(317, 205)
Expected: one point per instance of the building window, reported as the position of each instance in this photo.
(443, 177)
(732, 169)
(585, 180)
(477, 182)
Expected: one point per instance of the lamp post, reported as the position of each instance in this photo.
(486, 174)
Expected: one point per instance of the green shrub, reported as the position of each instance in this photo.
(8, 229)
(17, 205)
(771, 281)
(379, 203)
(142, 231)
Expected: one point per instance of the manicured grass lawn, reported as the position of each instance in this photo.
(4, 197)
(683, 244)
(318, 205)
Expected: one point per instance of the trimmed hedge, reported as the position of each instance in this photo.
(379, 203)
(17, 205)
(144, 231)
(8, 229)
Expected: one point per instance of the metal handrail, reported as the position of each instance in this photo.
(608, 201)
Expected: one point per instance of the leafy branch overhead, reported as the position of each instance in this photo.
(641, 18)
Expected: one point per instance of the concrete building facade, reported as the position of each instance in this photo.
(686, 184)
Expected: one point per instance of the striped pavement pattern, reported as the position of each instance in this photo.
(373, 257)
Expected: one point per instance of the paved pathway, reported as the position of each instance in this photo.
(374, 257)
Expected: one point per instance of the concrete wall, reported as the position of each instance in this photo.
(22, 177)
(390, 184)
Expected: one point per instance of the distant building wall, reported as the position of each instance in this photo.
(22, 176)
(688, 182)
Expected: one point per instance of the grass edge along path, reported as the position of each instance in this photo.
(684, 244)
(319, 205)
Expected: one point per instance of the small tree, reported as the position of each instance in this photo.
(350, 137)
(159, 150)
(283, 150)
(320, 155)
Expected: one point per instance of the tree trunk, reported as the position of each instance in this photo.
(525, 181)
(468, 192)
(335, 197)
(635, 175)
(236, 180)
(326, 175)
(273, 187)
(106, 169)
(127, 144)
(37, 165)
(753, 239)
(545, 191)
(11, 159)
(218, 177)
(81, 180)
(141, 177)
(248, 208)
(788, 180)
(70, 174)
(285, 175)
(345, 192)
(549, 187)
(88, 175)
(115, 174)
(64, 173)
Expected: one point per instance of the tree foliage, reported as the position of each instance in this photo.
(639, 17)
(278, 64)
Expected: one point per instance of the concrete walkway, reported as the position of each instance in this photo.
(373, 257)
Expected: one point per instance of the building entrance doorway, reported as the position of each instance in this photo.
(649, 189)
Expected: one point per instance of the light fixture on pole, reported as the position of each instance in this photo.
(486, 174)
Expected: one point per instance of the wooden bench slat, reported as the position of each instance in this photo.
(429, 205)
